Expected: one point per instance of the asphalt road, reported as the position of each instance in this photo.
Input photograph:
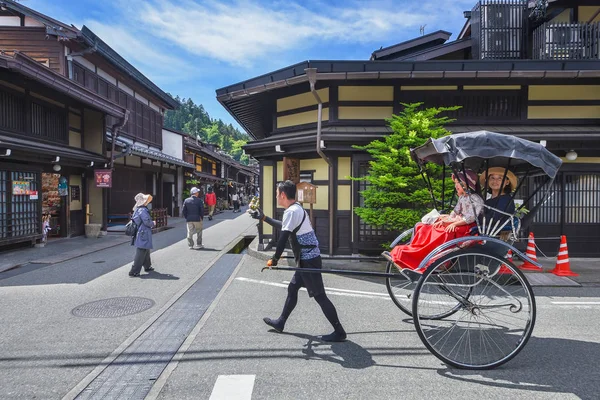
(47, 352)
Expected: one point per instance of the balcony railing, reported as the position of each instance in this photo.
(567, 41)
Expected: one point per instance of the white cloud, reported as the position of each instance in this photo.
(241, 32)
(160, 65)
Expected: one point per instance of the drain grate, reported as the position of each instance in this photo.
(114, 307)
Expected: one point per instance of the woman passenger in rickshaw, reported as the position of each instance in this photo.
(447, 226)
(500, 183)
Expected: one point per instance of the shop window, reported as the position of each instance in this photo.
(24, 212)
(306, 176)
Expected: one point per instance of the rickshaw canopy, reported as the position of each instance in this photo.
(474, 148)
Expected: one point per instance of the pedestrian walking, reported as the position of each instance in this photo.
(235, 199)
(193, 212)
(143, 237)
(211, 201)
(296, 227)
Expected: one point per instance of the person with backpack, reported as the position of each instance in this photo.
(142, 236)
(296, 227)
(211, 201)
(193, 212)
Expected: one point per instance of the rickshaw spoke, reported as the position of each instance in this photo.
(496, 317)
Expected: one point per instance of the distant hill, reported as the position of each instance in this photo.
(192, 119)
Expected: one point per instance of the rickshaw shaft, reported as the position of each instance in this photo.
(334, 271)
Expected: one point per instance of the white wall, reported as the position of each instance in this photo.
(106, 76)
(32, 22)
(172, 144)
(10, 21)
(85, 63)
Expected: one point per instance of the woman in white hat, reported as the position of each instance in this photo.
(500, 183)
(143, 237)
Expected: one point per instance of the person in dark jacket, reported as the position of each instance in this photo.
(296, 227)
(193, 212)
(143, 237)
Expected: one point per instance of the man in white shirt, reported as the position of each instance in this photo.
(235, 199)
(296, 227)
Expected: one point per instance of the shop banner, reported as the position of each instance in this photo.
(21, 188)
(103, 178)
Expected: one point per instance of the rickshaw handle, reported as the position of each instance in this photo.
(333, 271)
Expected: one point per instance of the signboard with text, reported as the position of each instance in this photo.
(103, 178)
(291, 169)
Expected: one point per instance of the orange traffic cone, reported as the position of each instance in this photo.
(563, 266)
(504, 269)
(531, 254)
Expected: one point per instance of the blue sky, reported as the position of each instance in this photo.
(191, 48)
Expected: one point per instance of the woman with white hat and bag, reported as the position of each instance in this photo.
(143, 237)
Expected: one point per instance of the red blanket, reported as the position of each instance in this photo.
(426, 238)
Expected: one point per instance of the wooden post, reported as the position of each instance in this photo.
(87, 214)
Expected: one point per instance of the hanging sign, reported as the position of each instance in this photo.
(306, 193)
(21, 188)
(291, 169)
(63, 187)
(103, 178)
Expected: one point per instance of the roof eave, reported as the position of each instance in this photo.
(26, 66)
(93, 40)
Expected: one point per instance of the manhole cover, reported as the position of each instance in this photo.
(115, 307)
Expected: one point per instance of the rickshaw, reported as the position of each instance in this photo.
(470, 305)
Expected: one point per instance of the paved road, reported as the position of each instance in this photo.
(47, 352)
(383, 358)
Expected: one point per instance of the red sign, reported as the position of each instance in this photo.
(103, 178)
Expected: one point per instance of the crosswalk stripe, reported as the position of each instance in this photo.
(233, 387)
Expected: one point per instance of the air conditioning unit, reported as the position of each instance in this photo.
(501, 30)
(504, 44)
(563, 42)
(563, 35)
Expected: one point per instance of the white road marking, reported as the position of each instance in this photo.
(350, 291)
(233, 387)
(337, 292)
(582, 303)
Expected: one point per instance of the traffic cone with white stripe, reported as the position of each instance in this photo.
(504, 269)
(563, 266)
(531, 254)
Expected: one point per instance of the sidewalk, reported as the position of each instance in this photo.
(66, 249)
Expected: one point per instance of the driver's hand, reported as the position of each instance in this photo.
(272, 262)
(256, 214)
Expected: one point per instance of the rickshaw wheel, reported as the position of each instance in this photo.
(493, 323)
(400, 289)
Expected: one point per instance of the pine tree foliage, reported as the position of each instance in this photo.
(192, 119)
(397, 196)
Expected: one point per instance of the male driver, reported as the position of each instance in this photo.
(296, 227)
(210, 200)
(193, 212)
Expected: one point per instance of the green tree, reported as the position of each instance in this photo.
(192, 119)
(396, 196)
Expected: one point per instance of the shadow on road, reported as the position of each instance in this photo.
(159, 276)
(546, 365)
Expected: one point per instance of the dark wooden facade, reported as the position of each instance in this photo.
(33, 42)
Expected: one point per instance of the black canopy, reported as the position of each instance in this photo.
(500, 150)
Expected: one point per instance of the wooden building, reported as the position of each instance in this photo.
(131, 142)
(515, 69)
(218, 170)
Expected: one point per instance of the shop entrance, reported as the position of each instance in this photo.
(54, 196)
